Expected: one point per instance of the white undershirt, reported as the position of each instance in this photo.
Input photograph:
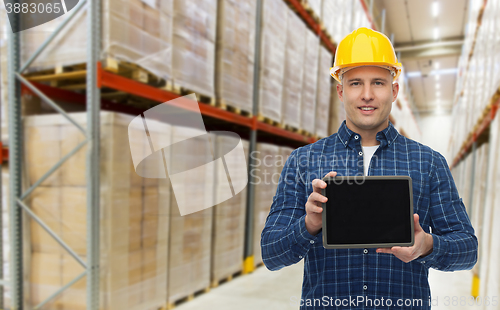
(368, 152)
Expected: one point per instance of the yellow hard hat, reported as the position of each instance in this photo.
(365, 47)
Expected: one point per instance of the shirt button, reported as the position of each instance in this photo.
(300, 256)
(365, 287)
(360, 153)
(345, 141)
(365, 251)
(423, 262)
(356, 137)
(312, 241)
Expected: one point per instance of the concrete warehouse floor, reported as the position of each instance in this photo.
(264, 289)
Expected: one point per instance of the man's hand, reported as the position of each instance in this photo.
(422, 247)
(313, 205)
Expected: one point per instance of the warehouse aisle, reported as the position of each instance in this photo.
(265, 289)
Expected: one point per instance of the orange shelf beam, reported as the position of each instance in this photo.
(481, 128)
(5, 153)
(117, 82)
(114, 81)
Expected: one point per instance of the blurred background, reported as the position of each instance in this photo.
(81, 230)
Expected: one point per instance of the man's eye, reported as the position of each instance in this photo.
(379, 83)
(354, 84)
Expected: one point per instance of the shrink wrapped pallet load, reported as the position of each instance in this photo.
(309, 83)
(294, 68)
(479, 194)
(133, 216)
(132, 31)
(235, 53)
(337, 111)
(194, 28)
(489, 273)
(315, 6)
(267, 176)
(331, 17)
(284, 152)
(229, 216)
(323, 92)
(272, 61)
(191, 234)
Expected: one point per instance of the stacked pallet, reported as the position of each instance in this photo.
(132, 31)
(323, 92)
(473, 102)
(190, 233)
(479, 194)
(229, 216)
(309, 83)
(294, 69)
(272, 61)
(133, 225)
(337, 112)
(235, 53)
(193, 44)
(489, 273)
(267, 175)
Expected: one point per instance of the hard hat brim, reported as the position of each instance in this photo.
(334, 71)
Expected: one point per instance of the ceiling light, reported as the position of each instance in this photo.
(436, 33)
(436, 77)
(436, 65)
(438, 86)
(435, 9)
(438, 94)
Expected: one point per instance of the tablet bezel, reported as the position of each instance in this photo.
(328, 179)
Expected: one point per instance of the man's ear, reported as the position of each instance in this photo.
(395, 91)
(340, 92)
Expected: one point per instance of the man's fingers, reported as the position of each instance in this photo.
(331, 174)
(317, 197)
(318, 185)
(311, 207)
(416, 224)
(384, 250)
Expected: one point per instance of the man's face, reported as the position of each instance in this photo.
(367, 93)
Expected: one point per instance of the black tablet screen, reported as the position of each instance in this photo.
(369, 211)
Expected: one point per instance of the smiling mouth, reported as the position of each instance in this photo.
(366, 108)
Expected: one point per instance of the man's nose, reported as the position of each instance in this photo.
(367, 94)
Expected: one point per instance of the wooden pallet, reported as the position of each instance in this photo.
(216, 283)
(269, 121)
(172, 305)
(305, 133)
(221, 103)
(293, 129)
(129, 70)
(309, 10)
(67, 77)
(183, 91)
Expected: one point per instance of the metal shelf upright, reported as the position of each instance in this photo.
(16, 201)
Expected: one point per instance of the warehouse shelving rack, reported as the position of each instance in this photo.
(96, 78)
(490, 111)
(91, 133)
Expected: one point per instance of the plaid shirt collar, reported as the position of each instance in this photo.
(348, 138)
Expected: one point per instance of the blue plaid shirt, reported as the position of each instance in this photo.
(362, 278)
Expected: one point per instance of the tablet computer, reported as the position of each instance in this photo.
(367, 212)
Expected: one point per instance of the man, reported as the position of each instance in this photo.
(397, 277)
